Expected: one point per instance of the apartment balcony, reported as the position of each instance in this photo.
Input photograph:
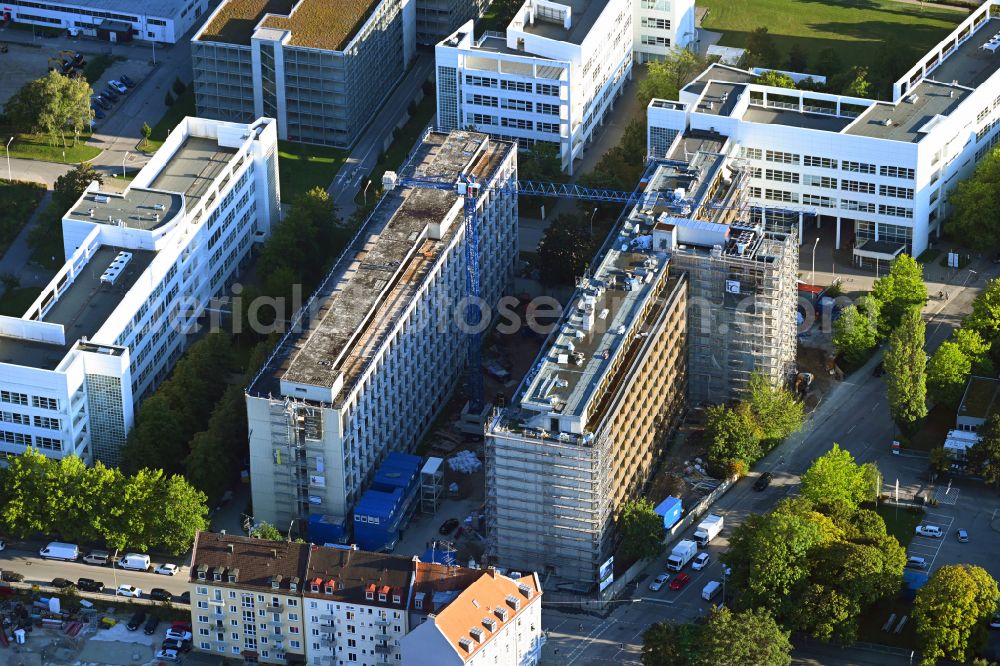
(381, 622)
(384, 648)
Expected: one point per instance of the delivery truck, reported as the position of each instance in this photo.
(681, 554)
(708, 529)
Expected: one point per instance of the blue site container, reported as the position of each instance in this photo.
(671, 510)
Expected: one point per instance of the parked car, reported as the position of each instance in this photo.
(111, 93)
(658, 582)
(127, 81)
(98, 557)
(128, 591)
(915, 562)
(167, 655)
(136, 621)
(90, 585)
(181, 625)
(135, 562)
(62, 583)
(184, 598)
(11, 576)
(174, 644)
(3, 544)
(60, 551)
(166, 569)
(448, 526)
(932, 531)
(962, 536)
(151, 625)
(118, 85)
(700, 561)
(101, 102)
(763, 481)
(159, 594)
(98, 113)
(178, 634)
(679, 581)
(995, 621)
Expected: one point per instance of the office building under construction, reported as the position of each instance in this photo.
(690, 295)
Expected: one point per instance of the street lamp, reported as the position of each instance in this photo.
(9, 177)
(114, 569)
(123, 163)
(592, 214)
(812, 278)
(154, 52)
(366, 191)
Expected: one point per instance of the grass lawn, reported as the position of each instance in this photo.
(401, 147)
(95, 67)
(17, 202)
(855, 28)
(872, 618)
(15, 302)
(303, 166)
(900, 522)
(38, 147)
(49, 253)
(183, 106)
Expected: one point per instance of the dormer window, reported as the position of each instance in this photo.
(395, 599)
(381, 597)
(201, 575)
(369, 595)
(418, 603)
(315, 588)
(328, 589)
(217, 575)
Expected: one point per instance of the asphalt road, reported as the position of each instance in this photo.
(37, 570)
(854, 414)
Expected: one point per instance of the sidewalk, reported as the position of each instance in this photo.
(17, 257)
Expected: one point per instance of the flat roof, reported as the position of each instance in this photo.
(817, 121)
(909, 119)
(82, 308)
(193, 168)
(136, 208)
(376, 277)
(318, 24)
(161, 8)
(717, 72)
(584, 14)
(980, 396)
(720, 98)
(969, 64)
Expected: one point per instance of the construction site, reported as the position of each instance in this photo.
(690, 295)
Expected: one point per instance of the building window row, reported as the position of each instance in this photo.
(781, 157)
(821, 162)
(897, 172)
(781, 176)
(657, 23)
(895, 192)
(858, 167)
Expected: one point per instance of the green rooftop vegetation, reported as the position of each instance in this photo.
(319, 24)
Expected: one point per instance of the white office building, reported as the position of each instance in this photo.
(140, 269)
(661, 26)
(112, 20)
(880, 172)
(379, 350)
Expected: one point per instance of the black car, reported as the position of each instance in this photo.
(61, 583)
(104, 102)
(763, 481)
(111, 94)
(151, 625)
(184, 598)
(90, 585)
(177, 644)
(159, 594)
(127, 81)
(136, 621)
(11, 576)
(448, 526)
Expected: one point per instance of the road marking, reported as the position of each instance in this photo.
(852, 428)
(585, 641)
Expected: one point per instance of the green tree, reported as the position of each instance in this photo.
(776, 409)
(217, 452)
(565, 250)
(70, 186)
(797, 61)
(947, 609)
(834, 478)
(182, 513)
(146, 131)
(975, 219)
(665, 79)
(304, 242)
(984, 457)
(947, 372)
(975, 348)
(859, 86)
(52, 104)
(541, 162)
(855, 332)
(905, 362)
(22, 484)
(900, 290)
(774, 78)
(734, 435)
(828, 63)
(665, 644)
(761, 50)
(985, 315)
(641, 529)
(747, 637)
(267, 532)
(826, 614)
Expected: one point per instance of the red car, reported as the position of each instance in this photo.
(679, 581)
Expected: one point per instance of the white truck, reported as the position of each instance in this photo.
(708, 529)
(681, 554)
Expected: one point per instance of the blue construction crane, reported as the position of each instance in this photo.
(466, 186)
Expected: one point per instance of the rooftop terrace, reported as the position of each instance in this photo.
(979, 399)
(136, 208)
(318, 24)
(584, 15)
(82, 308)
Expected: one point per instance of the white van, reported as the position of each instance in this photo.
(134, 561)
(915, 562)
(60, 551)
(710, 590)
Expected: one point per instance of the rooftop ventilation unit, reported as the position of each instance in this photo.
(110, 276)
(887, 122)
(102, 198)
